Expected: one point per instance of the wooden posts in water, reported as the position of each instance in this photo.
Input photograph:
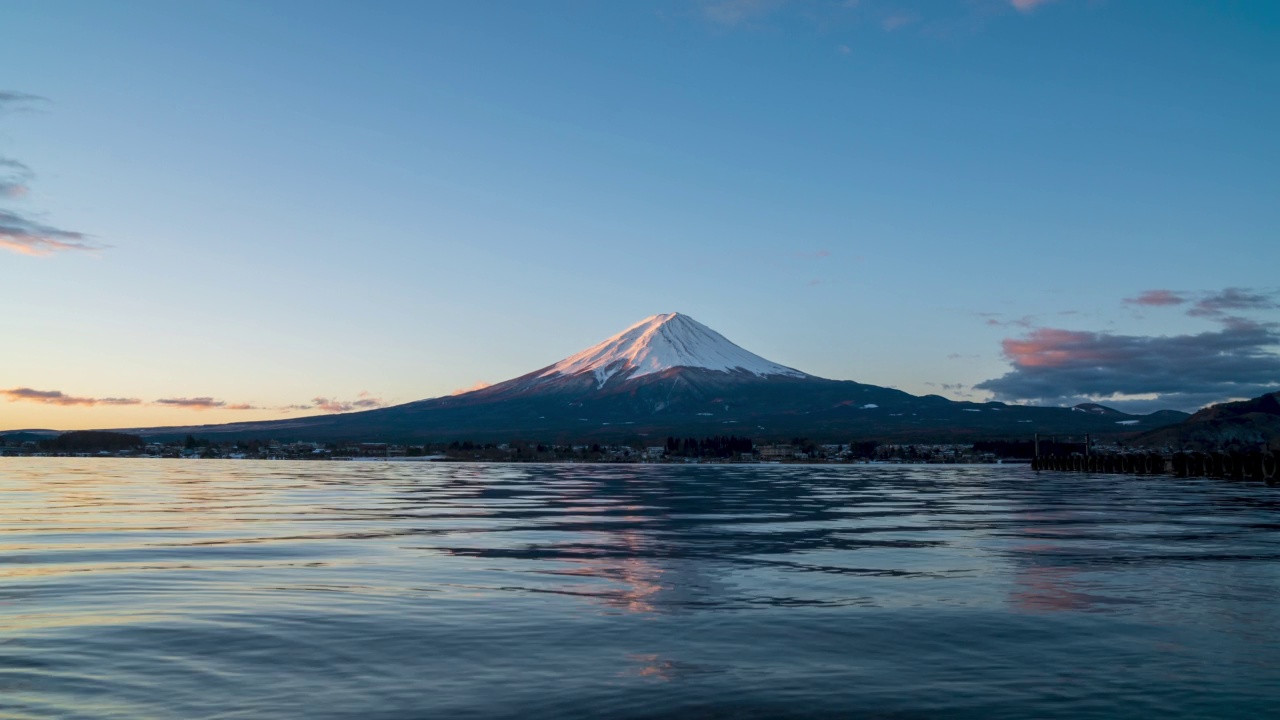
(1258, 465)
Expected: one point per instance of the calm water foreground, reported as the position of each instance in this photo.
(218, 589)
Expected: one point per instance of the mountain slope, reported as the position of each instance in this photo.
(671, 375)
(1247, 422)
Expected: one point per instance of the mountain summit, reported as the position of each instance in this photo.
(664, 342)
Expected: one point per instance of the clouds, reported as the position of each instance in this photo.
(1156, 298)
(734, 12)
(11, 100)
(14, 178)
(930, 19)
(363, 402)
(196, 403)
(19, 232)
(1055, 366)
(1213, 305)
(28, 237)
(57, 397)
(1217, 305)
(1027, 6)
(899, 20)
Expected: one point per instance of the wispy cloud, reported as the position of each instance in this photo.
(194, 403)
(295, 408)
(898, 20)
(28, 237)
(57, 397)
(939, 20)
(1027, 6)
(14, 178)
(1157, 298)
(11, 100)
(734, 12)
(1216, 305)
(363, 402)
(995, 319)
(19, 232)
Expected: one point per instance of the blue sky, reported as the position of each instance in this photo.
(286, 201)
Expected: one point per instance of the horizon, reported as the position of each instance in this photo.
(608, 350)
(246, 211)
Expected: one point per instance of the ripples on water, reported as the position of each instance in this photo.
(216, 589)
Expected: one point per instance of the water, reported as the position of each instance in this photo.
(220, 589)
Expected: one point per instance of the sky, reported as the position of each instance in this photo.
(225, 211)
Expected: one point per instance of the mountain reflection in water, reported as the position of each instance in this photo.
(156, 589)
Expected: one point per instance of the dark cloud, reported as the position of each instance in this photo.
(57, 397)
(1217, 305)
(10, 100)
(196, 403)
(1157, 298)
(1052, 366)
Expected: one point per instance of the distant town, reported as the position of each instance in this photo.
(721, 449)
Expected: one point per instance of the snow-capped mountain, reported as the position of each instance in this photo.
(671, 375)
(663, 342)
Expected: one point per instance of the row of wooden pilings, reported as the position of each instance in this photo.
(1256, 465)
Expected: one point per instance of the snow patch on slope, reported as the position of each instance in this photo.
(662, 342)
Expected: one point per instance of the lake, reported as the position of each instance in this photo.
(140, 589)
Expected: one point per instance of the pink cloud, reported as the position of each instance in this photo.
(1049, 347)
(1157, 298)
(478, 386)
(57, 397)
(28, 237)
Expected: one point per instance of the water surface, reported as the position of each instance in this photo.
(139, 589)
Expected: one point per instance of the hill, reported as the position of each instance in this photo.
(1247, 423)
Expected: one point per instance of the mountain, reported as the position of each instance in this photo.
(1244, 423)
(671, 375)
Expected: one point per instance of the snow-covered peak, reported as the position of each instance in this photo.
(662, 342)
